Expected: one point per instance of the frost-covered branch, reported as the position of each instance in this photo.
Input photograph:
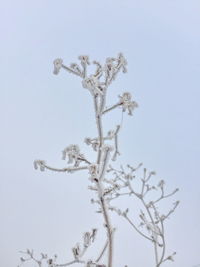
(97, 84)
(112, 107)
(107, 189)
(42, 166)
(78, 253)
(150, 216)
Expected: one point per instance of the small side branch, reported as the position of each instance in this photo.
(111, 108)
(165, 196)
(69, 263)
(136, 228)
(116, 144)
(72, 71)
(42, 166)
(151, 218)
(104, 248)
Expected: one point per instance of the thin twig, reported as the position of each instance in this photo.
(111, 108)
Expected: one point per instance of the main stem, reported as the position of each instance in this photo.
(100, 187)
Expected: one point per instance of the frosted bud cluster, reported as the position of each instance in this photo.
(93, 168)
(84, 60)
(171, 257)
(93, 142)
(92, 84)
(122, 62)
(88, 237)
(76, 251)
(57, 65)
(39, 164)
(109, 67)
(127, 104)
(161, 183)
(73, 153)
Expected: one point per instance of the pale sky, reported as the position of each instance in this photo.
(41, 114)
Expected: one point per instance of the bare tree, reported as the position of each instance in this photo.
(107, 188)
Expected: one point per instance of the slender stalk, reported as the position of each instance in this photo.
(163, 243)
(111, 108)
(69, 263)
(104, 248)
(99, 128)
(100, 186)
(71, 71)
(150, 239)
(155, 241)
(109, 231)
(102, 252)
(72, 169)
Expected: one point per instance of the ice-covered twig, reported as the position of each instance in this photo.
(116, 152)
(104, 249)
(74, 68)
(29, 256)
(78, 253)
(42, 166)
(112, 107)
(151, 218)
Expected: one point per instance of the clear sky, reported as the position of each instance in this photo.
(41, 114)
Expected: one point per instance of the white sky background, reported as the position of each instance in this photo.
(41, 114)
